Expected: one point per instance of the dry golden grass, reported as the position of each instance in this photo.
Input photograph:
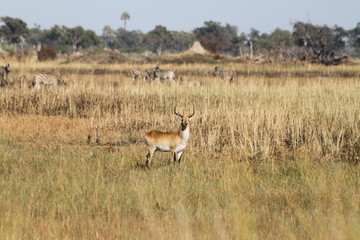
(273, 156)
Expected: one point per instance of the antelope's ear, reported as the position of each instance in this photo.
(178, 117)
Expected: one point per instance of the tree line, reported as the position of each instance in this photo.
(305, 41)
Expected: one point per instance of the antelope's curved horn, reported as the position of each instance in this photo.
(192, 113)
(177, 113)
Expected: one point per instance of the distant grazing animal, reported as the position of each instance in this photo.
(151, 72)
(47, 80)
(21, 82)
(188, 83)
(225, 74)
(139, 74)
(174, 142)
(161, 75)
(4, 71)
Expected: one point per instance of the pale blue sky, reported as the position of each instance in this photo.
(263, 15)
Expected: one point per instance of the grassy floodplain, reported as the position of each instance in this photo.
(273, 156)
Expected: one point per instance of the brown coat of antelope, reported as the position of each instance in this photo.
(174, 142)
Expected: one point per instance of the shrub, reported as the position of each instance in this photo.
(46, 53)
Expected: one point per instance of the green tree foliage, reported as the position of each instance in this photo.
(35, 35)
(340, 37)
(354, 39)
(13, 29)
(321, 40)
(128, 39)
(302, 32)
(307, 39)
(216, 38)
(276, 38)
(75, 36)
(125, 16)
(56, 37)
(89, 39)
(254, 35)
(108, 32)
(181, 41)
(109, 36)
(158, 38)
(239, 43)
(231, 37)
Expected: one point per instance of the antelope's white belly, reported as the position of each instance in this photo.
(163, 148)
(179, 148)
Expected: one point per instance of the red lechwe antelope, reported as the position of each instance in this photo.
(174, 142)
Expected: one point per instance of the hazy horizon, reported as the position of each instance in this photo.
(184, 15)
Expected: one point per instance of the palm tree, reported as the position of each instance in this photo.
(125, 16)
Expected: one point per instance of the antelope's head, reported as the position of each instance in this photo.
(184, 119)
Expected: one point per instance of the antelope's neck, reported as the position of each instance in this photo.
(185, 134)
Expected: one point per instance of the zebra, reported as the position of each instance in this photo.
(47, 80)
(139, 74)
(151, 72)
(4, 71)
(161, 75)
(225, 74)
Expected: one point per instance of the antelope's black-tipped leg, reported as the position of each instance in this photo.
(149, 156)
(147, 163)
(175, 157)
(179, 157)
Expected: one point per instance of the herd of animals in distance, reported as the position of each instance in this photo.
(148, 76)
